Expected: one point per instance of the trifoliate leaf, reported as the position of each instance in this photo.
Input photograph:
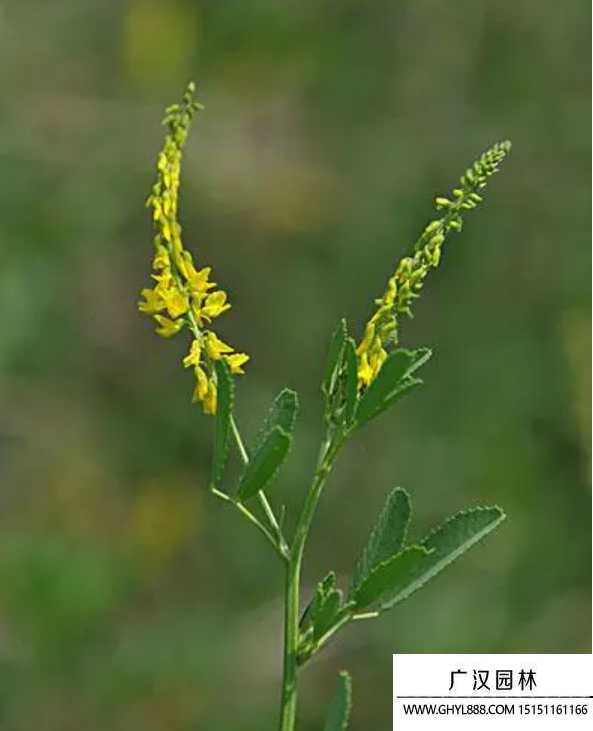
(339, 711)
(389, 574)
(222, 429)
(334, 358)
(387, 537)
(445, 544)
(264, 463)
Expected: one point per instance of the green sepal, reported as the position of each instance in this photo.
(351, 387)
(264, 463)
(339, 711)
(388, 574)
(444, 544)
(387, 537)
(224, 410)
(282, 413)
(392, 380)
(334, 359)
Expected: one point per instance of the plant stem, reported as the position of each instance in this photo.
(288, 708)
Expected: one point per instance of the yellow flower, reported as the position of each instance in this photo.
(235, 362)
(153, 302)
(215, 347)
(167, 328)
(161, 260)
(201, 388)
(194, 355)
(215, 305)
(209, 401)
(176, 302)
(198, 280)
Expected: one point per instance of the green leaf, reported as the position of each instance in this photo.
(387, 537)
(445, 544)
(282, 413)
(351, 365)
(405, 386)
(334, 358)
(323, 588)
(264, 463)
(222, 429)
(393, 376)
(326, 614)
(388, 574)
(339, 711)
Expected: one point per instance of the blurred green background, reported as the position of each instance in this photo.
(128, 598)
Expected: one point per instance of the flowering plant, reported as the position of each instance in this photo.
(361, 382)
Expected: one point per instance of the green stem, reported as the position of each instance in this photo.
(288, 708)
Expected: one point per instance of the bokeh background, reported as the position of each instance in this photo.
(129, 599)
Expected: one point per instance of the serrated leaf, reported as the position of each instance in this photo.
(351, 368)
(326, 614)
(400, 364)
(264, 463)
(222, 429)
(334, 358)
(388, 574)
(387, 537)
(339, 711)
(282, 413)
(445, 543)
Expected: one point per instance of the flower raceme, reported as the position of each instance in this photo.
(403, 288)
(182, 295)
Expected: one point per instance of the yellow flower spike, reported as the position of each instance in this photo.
(182, 290)
(194, 355)
(236, 361)
(215, 347)
(166, 327)
(404, 286)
